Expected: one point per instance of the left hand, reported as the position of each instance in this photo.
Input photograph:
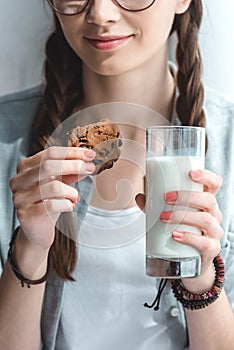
(207, 218)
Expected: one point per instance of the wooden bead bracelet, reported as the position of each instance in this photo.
(193, 301)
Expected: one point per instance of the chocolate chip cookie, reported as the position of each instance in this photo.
(103, 137)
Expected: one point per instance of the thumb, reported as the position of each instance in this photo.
(140, 201)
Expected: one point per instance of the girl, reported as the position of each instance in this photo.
(105, 51)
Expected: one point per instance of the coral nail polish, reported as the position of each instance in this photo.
(170, 196)
(166, 215)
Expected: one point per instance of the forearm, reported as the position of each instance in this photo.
(212, 328)
(20, 308)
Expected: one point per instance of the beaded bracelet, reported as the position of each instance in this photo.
(199, 301)
(15, 267)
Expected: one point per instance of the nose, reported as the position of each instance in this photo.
(101, 12)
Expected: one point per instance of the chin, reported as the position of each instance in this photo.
(110, 69)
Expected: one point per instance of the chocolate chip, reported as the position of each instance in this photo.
(84, 146)
(97, 161)
(101, 154)
(120, 143)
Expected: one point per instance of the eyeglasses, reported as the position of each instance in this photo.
(74, 7)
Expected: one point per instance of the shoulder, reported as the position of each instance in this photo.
(22, 95)
(20, 106)
(219, 112)
(219, 108)
(17, 112)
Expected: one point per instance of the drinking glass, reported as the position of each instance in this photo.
(171, 153)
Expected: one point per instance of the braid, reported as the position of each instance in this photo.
(62, 93)
(189, 105)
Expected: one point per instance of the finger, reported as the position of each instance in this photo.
(207, 247)
(140, 201)
(54, 206)
(59, 153)
(202, 220)
(54, 189)
(56, 153)
(66, 167)
(212, 182)
(71, 179)
(205, 201)
(49, 170)
(44, 212)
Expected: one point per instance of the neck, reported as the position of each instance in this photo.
(151, 86)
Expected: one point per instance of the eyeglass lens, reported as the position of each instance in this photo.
(72, 7)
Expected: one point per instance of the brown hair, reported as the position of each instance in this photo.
(63, 93)
(189, 105)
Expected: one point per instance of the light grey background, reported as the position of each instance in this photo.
(217, 45)
(24, 25)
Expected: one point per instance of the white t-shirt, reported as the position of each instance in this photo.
(104, 308)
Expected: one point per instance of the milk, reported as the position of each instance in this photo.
(168, 174)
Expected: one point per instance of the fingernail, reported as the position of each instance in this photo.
(177, 234)
(166, 215)
(170, 196)
(90, 167)
(78, 198)
(195, 173)
(89, 153)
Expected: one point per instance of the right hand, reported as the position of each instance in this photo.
(42, 189)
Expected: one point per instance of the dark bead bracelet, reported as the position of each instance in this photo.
(193, 301)
(15, 267)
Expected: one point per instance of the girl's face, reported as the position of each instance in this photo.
(111, 41)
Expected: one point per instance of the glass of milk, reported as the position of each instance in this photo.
(171, 153)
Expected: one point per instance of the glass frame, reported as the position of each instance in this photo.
(87, 2)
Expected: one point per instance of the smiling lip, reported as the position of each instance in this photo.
(105, 43)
